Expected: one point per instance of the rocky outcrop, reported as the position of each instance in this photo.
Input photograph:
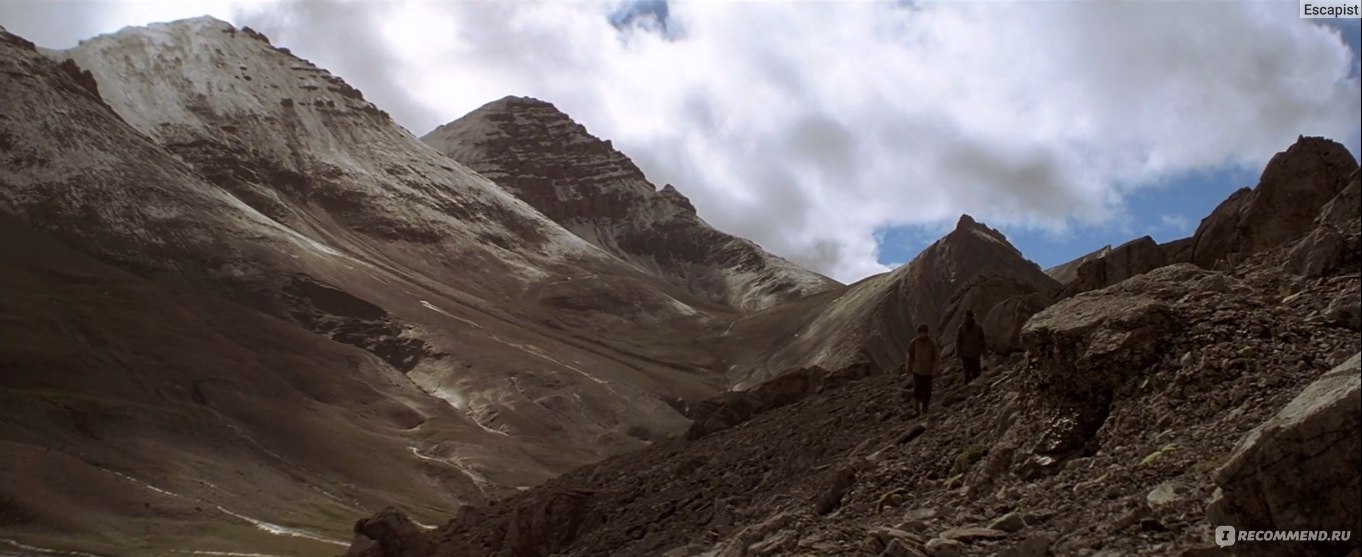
(1118, 264)
(389, 534)
(1004, 321)
(1178, 251)
(1335, 240)
(542, 156)
(1283, 207)
(1299, 470)
(1082, 349)
(1065, 273)
(735, 407)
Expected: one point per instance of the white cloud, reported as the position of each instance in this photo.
(807, 126)
(1175, 223)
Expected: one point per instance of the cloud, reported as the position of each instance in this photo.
(1175, 223)
(809, 126)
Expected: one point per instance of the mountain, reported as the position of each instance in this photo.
(538, 153)
(876, 317)
(439, 330)
(1142, 415)
(240, 308)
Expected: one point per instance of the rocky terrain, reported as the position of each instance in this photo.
(1139, 416)
(240, 307)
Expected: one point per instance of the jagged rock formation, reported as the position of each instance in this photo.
(1293, 188)
(1065, 273)
(538, 153)
(1298, 471)
(1118, 264)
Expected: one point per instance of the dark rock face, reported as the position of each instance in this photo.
(1082, 349)
(1293, 188)
(389, 534)
(1299, 470)
(1125, 261)
(539, 154)
(1004, 321)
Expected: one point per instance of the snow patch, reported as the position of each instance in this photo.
(284, 530)
(480, 481)
(144, 484)
(43, 550)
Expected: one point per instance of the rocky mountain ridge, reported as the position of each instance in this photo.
(538, 153)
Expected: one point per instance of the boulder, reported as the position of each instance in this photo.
(942, 547)
(389, 534)
(836, 487)
(1319, 253)
(1299, 470)
(1294, 187)
(1081, 349)
(1010, 522)
(1345, 311)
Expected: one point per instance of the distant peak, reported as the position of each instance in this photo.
(966, 221)
(187, 25)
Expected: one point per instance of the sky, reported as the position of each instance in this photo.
(848, 135)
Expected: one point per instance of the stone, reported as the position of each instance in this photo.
(836, 487)
(1298, 470)
(1083, 348)
(1345, 311)
(922, 513)
(942, 547)
(1165, 494)
(1010, 522)
(389, 532)
(1318, 254)
(900, 548)
(971, 535)
(1034, 546)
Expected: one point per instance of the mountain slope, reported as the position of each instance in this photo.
(538, 153)
(285, 223)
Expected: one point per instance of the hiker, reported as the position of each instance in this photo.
(969, 343)
(922, 361)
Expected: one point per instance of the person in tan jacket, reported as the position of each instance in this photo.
(922, 362)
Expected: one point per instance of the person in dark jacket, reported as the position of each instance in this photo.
(923, 360)
(970, 344)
